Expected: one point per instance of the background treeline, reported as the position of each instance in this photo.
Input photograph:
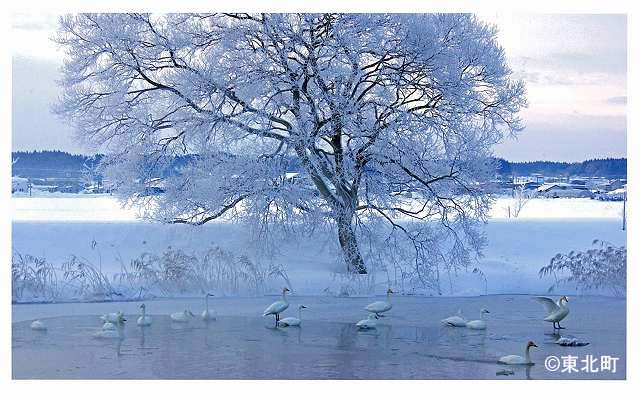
(609, 168)
(63, 164)
(51, 163)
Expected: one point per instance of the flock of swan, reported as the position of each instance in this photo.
(556, 312)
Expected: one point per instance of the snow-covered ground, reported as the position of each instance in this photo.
(99, 230)
(559, 208)
(105, 208)
(516, 250)
(65, 207)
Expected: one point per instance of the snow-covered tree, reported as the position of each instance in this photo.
(386, 118)
(521, 197)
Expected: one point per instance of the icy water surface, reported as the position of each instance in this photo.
(243, 347)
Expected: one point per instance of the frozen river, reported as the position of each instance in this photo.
(410, 343)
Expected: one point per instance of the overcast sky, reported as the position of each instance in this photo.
(574, 67)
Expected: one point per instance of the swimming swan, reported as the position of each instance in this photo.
(455, 321)
(478, 324)
(379, 307)
(208, 314)
(183, 316)
(518, 360)
(37, 325)
(278, 307)
(144, 320)
(369, 323)
(556, 310)
(292, 321)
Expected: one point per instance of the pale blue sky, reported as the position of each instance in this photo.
(574, 67)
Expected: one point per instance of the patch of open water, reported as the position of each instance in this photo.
(251, 348)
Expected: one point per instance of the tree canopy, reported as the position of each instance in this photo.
(390, 117)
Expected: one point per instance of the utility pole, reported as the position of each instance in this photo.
(624, 212)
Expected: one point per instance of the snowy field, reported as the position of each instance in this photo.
(409, 343)
(62, 207)
(100, 231)
(102, 208)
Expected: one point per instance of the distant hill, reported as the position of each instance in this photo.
(46, 164)
(608, 168)
(50, 164)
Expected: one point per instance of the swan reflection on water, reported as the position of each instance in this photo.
(512, 371)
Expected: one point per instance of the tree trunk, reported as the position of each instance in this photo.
(349, 245)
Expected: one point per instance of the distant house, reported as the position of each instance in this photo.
(93, 189)
(154, 187)
(553, 179)
(613, 195)
(557, 190)
(617, 184)
(530, 182)
(19, 185)
(537, 178)
(598, 184)
(291, 176)
(529, 185)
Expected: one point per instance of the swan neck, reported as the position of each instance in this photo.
(284, 296)
(527, 355)
(206, 302)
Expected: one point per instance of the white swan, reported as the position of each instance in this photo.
(556, 310)
(292, 321)
(478, 324)
(37, 325)
(183, 316)
(278, 307)
(144, 320)
(512, 359)
(208, 314)
(114, 317)
(455, 321)
(380, 307)
(369, 323)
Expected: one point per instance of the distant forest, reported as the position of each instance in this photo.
(62, 164)
(609, 168)
(51, 164)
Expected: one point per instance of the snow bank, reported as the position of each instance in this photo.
(61, 207)
(105, 208)
(559, 208)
